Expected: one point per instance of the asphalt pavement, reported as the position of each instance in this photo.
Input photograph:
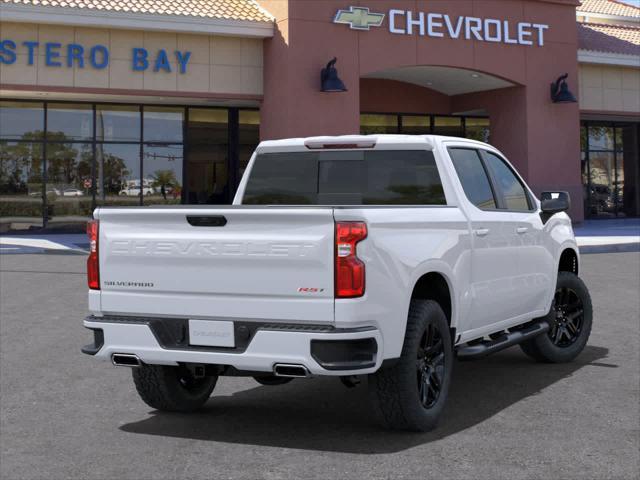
(64, 415)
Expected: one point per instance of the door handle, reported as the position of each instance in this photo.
(482, 232)
(522, 230)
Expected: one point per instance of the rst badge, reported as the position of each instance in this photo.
(310, 290)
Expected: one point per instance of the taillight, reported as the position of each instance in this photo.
(93, 267)
(349, 269)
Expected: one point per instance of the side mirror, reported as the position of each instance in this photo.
(555, 202)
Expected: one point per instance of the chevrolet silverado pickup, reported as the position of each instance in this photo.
(361, 257)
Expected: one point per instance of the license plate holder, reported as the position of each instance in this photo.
(211, 333)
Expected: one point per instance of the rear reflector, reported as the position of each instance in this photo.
(349, 269)
(93, 267)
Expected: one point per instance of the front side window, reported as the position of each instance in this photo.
(511, 190)
(345, 178)
(473, 177)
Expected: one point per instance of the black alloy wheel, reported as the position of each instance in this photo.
(411, 392)
(570, 319)
(430, 366)
(569, 316)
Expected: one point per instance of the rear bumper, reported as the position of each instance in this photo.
(323, 350)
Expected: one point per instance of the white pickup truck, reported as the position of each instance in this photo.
(379, 256)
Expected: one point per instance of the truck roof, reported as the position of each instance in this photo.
(356, 141)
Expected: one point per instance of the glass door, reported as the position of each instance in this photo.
(610, 169)
(207, 162)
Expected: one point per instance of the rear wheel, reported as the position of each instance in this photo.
(570, 322)
(411, 394)
(173, 389)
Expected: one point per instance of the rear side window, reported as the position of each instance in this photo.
(473, 177)
(510, 189)
(382, 177)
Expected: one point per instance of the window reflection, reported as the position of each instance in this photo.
(416, 124)
(449, 126)
(21, 186)
(66, 122)
(601, 138)
(163, 124)
(373, 123)
(478, 129)
(21, 120)
(162, 169)
(119, 123)
(118, 174)
(69, 182)
(108, 154)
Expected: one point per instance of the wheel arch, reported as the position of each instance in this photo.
(435, 285)
(569, 260)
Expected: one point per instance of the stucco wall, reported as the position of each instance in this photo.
(378, 95)
(540, 137)
(221, 65)
(609, 88)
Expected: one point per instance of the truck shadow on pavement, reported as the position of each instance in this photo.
(321, 414)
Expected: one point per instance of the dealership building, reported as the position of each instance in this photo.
(136, 102)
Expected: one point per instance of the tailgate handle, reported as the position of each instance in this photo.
(206, 221)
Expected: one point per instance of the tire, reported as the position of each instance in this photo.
(172, 389)
(570, 319)
(410, 395)
(271, 380)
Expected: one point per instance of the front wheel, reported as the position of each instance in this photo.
(411, 394)
(570, 321)
(172, 389)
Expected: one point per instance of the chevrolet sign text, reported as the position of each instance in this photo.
(442, 25)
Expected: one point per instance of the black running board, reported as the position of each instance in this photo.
(506, 340)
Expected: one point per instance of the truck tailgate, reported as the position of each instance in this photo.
(240, 263)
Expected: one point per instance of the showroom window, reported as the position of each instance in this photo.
(610, 169)
(477, 128)
(59, 160)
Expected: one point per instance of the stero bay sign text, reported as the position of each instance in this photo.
(96, 56)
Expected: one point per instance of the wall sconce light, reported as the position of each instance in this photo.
(560, 92)
(329, 80)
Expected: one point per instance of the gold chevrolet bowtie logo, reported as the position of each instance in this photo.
(359, 18)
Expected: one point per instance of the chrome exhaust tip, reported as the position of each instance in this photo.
(290, 371)
(125, 360)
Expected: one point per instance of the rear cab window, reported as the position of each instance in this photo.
(375, 177)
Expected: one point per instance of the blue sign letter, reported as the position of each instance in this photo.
(7, 52)
(31, 46)
(51, 53)
(93, 54)
(183, 59)
(140, 62)
(74, 52)
(162, 62)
